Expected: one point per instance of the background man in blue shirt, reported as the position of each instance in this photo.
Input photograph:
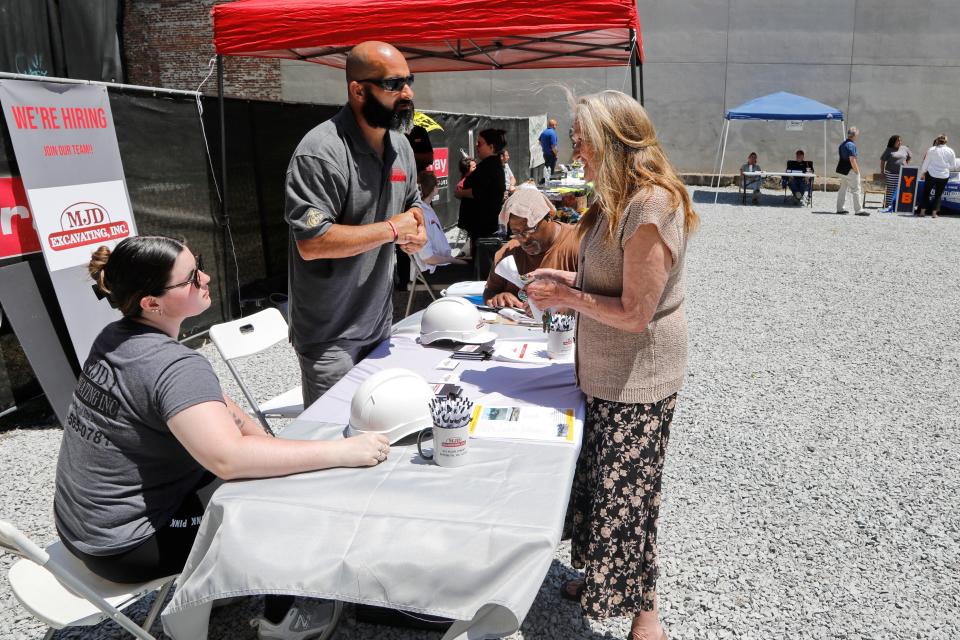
(849, 171)
(548, 142)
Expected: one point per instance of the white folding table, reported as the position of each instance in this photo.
(472, 543)
(780, 174)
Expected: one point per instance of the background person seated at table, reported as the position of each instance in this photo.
(536, 241)
(437, 251)
(799, 185)
(149, 427)
(751, 183)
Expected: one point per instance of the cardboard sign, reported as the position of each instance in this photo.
(906, 194)
(17, 235)
(794, 125)
(69, 160)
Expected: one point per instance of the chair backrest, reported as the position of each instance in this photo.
(16, 542)
(249, 335)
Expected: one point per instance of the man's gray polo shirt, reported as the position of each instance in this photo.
(335, 177)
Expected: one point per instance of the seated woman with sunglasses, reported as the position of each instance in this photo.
(536, 240)
(149, 427)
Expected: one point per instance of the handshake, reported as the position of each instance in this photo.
(410, 230)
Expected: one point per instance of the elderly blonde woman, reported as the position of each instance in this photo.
(628, 293)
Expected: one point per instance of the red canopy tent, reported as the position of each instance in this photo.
(434, 35)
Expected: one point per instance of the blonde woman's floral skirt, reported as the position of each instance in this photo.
(615, 504)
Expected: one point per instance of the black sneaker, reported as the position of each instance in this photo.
(862, 213)
(843, 212)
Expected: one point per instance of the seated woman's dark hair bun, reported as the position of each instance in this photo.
(97, 267)
(137, 267)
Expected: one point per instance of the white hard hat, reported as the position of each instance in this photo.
(454, 318)
(392, 402)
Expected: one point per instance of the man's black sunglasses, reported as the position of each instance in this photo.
(194, 278)
(390, 84)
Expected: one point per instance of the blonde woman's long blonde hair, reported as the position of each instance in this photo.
(627, 159)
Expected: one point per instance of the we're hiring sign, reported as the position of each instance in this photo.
(66, 148)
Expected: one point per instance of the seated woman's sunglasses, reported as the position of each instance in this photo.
(194, 278)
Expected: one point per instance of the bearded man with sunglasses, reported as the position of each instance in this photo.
(537, 241)
(351, 195)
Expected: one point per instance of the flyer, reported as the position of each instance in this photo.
(525, 423)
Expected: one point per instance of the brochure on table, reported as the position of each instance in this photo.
(525, 423)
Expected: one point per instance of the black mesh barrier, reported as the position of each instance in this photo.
(173, 191)
(455, 136)
(54, 38)
(275, 130)
(169, 181)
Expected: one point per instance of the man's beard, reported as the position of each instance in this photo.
(378, 115)
(533, 248)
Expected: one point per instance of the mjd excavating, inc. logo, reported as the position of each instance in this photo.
(86, 223)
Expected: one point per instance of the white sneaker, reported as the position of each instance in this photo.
(314, 622)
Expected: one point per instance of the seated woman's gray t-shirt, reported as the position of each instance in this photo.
(121, 473)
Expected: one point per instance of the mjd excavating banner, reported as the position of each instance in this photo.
(66, 148)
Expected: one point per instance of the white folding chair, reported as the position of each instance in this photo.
(250, 335)
(59, 590)
(416, 279)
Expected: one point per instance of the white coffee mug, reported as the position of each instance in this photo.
(449, 445)
(559, 343)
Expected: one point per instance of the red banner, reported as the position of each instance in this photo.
(17, 235)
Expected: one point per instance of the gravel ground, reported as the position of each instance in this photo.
(812, 483)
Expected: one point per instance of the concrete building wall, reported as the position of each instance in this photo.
(891, 66)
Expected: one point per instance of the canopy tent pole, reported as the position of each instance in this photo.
(722, 155)
(824, 156)
(640, 71)
(716, 158)
(224, 216)
(633, 65)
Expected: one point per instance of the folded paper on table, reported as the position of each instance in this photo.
(527, 351)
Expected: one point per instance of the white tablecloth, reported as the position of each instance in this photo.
(471, 543)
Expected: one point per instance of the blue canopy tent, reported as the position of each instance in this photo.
(778, 106)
